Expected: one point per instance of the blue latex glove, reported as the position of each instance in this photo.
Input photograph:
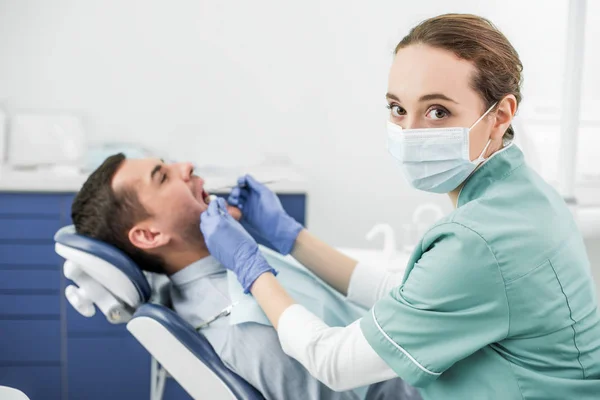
(262, 210)
(229, 243)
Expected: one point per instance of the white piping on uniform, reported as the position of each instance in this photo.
(411, 358)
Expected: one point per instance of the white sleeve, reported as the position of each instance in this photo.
(369, 284)
(341, 358)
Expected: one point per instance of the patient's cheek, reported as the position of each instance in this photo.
(234, 212)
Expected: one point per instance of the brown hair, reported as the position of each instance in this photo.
(475, 39)
(101, 213)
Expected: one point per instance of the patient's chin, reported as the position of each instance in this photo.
(189, 231)
(234, 212)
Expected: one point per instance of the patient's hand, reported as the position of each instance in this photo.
(234, 212)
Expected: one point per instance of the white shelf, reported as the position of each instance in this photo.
(289, 180)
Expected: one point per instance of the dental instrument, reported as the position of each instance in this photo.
(229, 187)
(224, 313)
(212, 198)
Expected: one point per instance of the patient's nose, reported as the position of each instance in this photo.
(186, 169)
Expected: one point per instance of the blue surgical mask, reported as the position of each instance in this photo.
(434, 159)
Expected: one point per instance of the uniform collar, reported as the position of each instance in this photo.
(493, 169)
(197, 270)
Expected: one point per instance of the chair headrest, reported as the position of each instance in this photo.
(103, 262)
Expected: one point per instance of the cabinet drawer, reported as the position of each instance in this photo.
(28, 229)
(15, 279)
(31, 204)
(29, 341)
(67, 203)
(37, 382)
(29, 254)
(295, 206)
(12, 305)
(108, 368)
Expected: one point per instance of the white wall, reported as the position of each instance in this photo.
(594, 255)
(216, 80)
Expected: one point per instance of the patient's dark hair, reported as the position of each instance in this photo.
(101, 213)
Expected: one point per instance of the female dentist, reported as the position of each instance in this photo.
(497, 301)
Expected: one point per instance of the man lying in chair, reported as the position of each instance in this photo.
(151, 211)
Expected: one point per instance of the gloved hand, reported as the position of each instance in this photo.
(262, 210)
(229, 243)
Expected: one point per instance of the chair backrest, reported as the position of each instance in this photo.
(110, 280)
(187, 355)
(7, 393)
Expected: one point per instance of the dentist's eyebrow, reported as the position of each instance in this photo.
(391, 96)
(427, 97)
(436, 96)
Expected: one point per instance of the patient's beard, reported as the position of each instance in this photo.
(192, 236)
(187, 247)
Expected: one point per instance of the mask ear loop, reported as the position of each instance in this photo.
(481, 156)
(483, 116)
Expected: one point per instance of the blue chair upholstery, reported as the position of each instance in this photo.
(200, 347)
(195, 342)
(68, 237)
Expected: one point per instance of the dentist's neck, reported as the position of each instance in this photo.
(494, 146)
(454, 194)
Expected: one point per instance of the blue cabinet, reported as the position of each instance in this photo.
(107, 367)
(47, 349)
(43, 205)
(174, 391)
(37, 381)
(31, 341)
(28, 254)
(31, 312)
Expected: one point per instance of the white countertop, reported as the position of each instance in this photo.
(60, 180)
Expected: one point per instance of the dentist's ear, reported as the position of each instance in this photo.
(505, 111)
(147, 237)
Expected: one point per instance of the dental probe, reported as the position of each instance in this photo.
(231, 187)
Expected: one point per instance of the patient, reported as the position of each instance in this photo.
(151, 211)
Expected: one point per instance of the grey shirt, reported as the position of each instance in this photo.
(251, 350)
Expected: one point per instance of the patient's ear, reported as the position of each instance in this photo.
(146, 237)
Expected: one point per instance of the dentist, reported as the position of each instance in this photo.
(497, 301)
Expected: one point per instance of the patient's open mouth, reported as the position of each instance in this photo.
(205, 197)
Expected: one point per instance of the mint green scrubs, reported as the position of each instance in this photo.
(498, 300)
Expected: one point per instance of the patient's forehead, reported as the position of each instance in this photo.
(135, 172)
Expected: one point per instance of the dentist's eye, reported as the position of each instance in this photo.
(164, 178)
(396, 110)
(437, 113)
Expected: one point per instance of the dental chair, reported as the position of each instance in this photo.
(7, 393)
(109, 280)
